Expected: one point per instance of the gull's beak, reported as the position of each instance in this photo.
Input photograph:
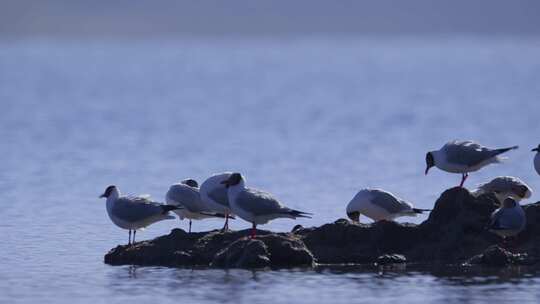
(427, 169)
(535, 150)
(102, 196)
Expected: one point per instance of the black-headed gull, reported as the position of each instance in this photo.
(255, 206)
(509, 220)
(379, 205)
(537, 159)
(463, 157)
(132, 212)
(214, 195)
(503, 187)
(186, 194)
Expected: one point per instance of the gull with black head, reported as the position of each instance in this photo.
(186, 195)
(464, 157)
(255, 206)
(379, 205)
(134, 212)
(537, 159)
(214, 195)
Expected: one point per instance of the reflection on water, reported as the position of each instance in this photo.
(340, 284)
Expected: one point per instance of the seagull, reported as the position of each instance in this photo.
(214, 195)
(379, 205)
(132, 212)
(537, 159)
(255, 206)
(503, 187)
(509, 220)
(463, 157)
(186, 195)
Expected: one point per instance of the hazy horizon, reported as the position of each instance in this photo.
(56, 18)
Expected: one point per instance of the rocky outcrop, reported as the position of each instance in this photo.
(454, 233)
(498, 256)
(266, 251)
(387, 259)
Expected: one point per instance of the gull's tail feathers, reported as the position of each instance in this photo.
(218, 215)
(297, 213)
(167, 208)
(496, 154)
(420, 211)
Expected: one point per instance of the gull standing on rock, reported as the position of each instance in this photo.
(255, 206)
(186, 194)
(134, 213)
(503, 187)
(463, 157)
(379, 205)
(509, 220)
(214, 194)
(537, 159)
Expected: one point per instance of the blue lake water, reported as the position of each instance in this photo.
(310, 120)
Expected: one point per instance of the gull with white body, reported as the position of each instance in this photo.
(255, 206)
(463, 157)
(509, 220)
(537, 159)
(504, 187)
(186, 195)
(214, 195)
(379, 205)
(134, 212)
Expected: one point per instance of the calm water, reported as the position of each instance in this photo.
(311, 121)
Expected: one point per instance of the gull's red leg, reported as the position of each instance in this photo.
(463, 178)
(226, 226)
(253, 231)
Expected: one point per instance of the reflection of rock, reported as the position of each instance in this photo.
(453, 233)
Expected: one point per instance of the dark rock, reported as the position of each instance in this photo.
(287, 251)
(228, 249)
(168, 250)
(493, 256)
(454, 231)
(344, 242)
(270, 250)
(391, 259)
(456, 227)
(529, 239)
(341, 221)
(243, 253)
(497, 256)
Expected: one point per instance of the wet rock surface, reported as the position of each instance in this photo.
(266, 251)
(454, 233)
(498, 256)
(386, 259)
